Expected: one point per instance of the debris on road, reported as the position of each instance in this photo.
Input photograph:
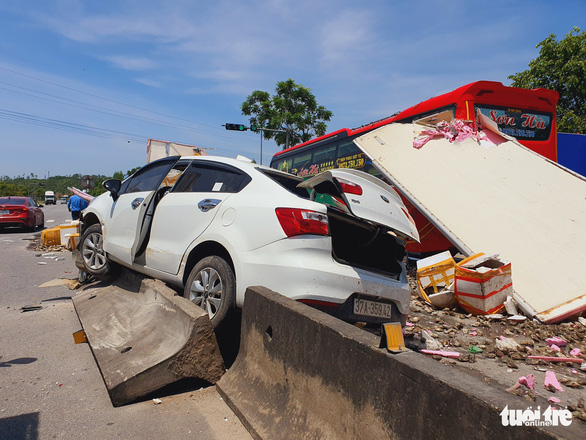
(507, 346)
(528, 381)
(551, 382)
(449, 354)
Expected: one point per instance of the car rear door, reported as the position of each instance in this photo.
(365, 197)
(123, 227)
(186, 212)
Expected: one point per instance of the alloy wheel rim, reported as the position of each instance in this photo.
(93, 251)
(206, 291)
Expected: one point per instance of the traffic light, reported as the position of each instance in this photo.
(237, 127)
(254, 127)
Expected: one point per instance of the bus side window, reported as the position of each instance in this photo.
(347, 149)
(284, 165)
(301, 164)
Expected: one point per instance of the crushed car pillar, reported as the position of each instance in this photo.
(143, 337)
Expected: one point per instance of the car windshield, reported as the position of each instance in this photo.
(12, 201)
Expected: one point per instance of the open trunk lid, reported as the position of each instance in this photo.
(364, 196)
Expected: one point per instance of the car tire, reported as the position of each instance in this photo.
(211, 285)
(92, 252)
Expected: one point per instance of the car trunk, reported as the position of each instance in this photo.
(365, 245)
(368, 222)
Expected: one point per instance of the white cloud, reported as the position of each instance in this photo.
(148, 82)
(131, 63)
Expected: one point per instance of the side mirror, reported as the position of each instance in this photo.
(113, 187)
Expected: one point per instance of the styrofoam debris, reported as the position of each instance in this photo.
(556, 340)
(528, 381)
(551, 379)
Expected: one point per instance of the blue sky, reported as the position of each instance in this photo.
(84, 84)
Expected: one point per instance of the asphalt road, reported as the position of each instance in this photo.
(51, 387)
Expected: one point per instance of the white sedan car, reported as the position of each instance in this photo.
(214, 226)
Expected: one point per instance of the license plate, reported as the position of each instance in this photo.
(4, 212)
(375, 309)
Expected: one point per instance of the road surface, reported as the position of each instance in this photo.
(51, 387)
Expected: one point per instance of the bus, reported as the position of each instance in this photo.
(528, 115)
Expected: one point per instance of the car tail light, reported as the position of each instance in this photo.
(409, 216)
(302, 221)
(349, 187)
(319, 304)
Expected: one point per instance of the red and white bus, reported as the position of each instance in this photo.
(528, 115)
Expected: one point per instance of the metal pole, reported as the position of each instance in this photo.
(261, 147)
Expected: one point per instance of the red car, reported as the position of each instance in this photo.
(21, 211)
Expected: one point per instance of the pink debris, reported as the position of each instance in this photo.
(555, 348)
(502, 338)
(409, 324)
(556, 340)
(556, 359)
(528, 381)
(554, 400)
(574, 371)
(449, 354)
(474, 333)
(457, 130)
(551, 379)
(576, 352)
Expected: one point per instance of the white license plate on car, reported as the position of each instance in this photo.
(4, 212)
(375, 309)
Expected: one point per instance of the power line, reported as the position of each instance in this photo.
(84, 129)
(69, 126)
(108, 111)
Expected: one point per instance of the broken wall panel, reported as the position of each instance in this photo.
(503, 199)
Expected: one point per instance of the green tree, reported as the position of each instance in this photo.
(561, 66)
(293, 108)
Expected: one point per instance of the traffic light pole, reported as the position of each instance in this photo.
(240, 127)
(274, 131)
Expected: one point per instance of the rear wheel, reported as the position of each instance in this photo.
(212, 286)
(92, 252)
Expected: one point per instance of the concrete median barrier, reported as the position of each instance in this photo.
(301, 374)
(143, 336)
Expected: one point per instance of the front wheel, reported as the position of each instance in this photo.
(212, 286)
(92, 252)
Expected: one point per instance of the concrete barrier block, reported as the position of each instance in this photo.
(143, 336)
(302, 374)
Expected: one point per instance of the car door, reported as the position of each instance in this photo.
(187, 211)
(365, 197)
(123, 227)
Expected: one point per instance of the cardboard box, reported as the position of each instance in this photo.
(482, 284)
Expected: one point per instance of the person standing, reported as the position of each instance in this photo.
(75, 205)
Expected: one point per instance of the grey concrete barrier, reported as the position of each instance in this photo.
(143, 336)
(301, 374)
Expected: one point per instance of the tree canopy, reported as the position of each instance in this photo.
(293, 108)
(561, 66)
(35, 187)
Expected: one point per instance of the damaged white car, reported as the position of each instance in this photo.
(214, 226)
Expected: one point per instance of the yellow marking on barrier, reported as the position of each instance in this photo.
(392, 337)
